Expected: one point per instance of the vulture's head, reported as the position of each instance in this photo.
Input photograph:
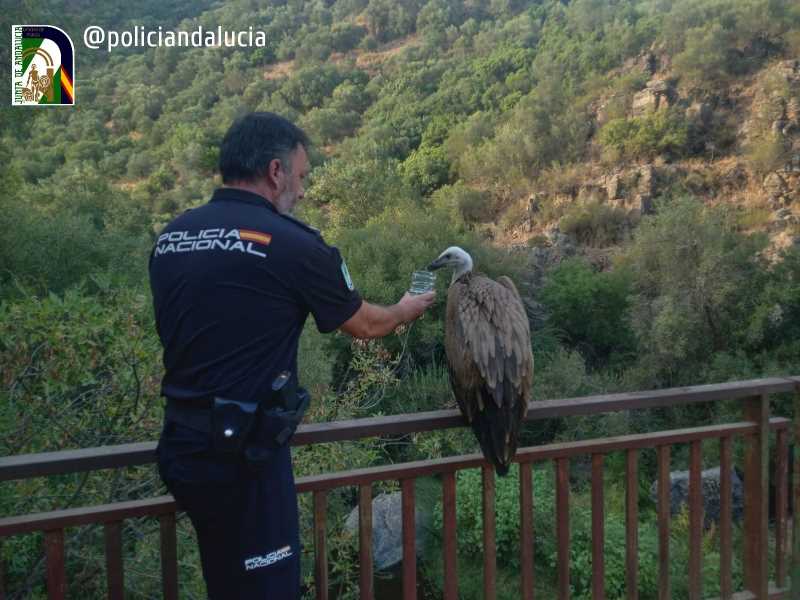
(454, 257)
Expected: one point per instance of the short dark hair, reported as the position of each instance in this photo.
(253, 141)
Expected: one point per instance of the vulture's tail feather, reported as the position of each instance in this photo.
(491, 428)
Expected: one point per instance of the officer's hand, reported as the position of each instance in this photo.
(413, 305)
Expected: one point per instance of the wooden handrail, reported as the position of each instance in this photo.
(25, 466)
(106, 513)
(754, 429)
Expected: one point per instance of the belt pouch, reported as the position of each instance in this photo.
(232, 422)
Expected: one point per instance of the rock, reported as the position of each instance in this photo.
(679, 494)
(657, 95)
(591, 192)
(387, 529)
(734, 177)
(614, 188)
(778, 126)
(645, 61)
(646, 183)
(561, 245)
(793, 110)
(534, 203)
(645, 203)
(789, 68)
(699, 114)
(783, 214)
(601, 114)
(775, 186)
(644, 102)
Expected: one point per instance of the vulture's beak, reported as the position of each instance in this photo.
(437, 264)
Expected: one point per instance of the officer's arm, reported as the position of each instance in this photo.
(373, 320)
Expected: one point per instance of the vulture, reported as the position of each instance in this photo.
(488, 347)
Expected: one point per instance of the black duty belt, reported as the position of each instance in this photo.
(255, 429)
(194, 414)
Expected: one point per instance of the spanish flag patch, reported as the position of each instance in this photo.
(255, 236)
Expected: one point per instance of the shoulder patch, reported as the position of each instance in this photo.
(346, 275)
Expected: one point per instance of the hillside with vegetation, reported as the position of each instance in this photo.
(634, 165)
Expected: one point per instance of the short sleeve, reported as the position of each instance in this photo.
(324, 284)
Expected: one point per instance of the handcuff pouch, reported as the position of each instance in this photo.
(231, 424)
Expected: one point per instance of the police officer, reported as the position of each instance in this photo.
(233, 282)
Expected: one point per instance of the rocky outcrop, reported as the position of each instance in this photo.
(632, 190)
(699, 115)
(614, 188)
(775, 186)
(659, 94)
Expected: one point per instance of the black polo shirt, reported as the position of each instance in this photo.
(233, 282)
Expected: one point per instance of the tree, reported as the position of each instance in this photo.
(590, 308)
(695, 282)
(426, 169)
(705, 60)
(356, 188)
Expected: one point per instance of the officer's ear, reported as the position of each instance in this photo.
(276, 171)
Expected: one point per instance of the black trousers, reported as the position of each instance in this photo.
(246, 519)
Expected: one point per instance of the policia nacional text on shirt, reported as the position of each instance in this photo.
(233, 282)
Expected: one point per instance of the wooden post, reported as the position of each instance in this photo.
(409, 539)
(526, 529)
(756, 488)
(562, 526)
(54, 550)
(663, 453)
(796, 496)
(781, 501)
(695, 522)
(321, 544)
(2, 573)
(489, 534)
(725, 520)
(114, 564)
(169, 557)
(449, 547)
(366, 591)
(632, 525)
(598, 529)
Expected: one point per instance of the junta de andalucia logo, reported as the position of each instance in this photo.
(42, 66)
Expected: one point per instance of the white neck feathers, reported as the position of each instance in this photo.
(463, 268)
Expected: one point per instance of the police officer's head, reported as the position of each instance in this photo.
(266, 153)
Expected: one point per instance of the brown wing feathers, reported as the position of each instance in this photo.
(487, 341)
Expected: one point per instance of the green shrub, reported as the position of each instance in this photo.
(661, 132)
(768, 153)
(464, 203)
(426, 169)
(695, 280)
(706, 59)
(469, 517)
(354, 189)
(591, 309)
(595, 224)
(79, 370)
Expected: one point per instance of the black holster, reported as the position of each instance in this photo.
(277, 423)
(258, 429)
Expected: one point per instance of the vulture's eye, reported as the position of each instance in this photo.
(447, 256)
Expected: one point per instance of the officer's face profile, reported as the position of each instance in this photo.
(291, 180)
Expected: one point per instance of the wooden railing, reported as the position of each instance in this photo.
(754, 429)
